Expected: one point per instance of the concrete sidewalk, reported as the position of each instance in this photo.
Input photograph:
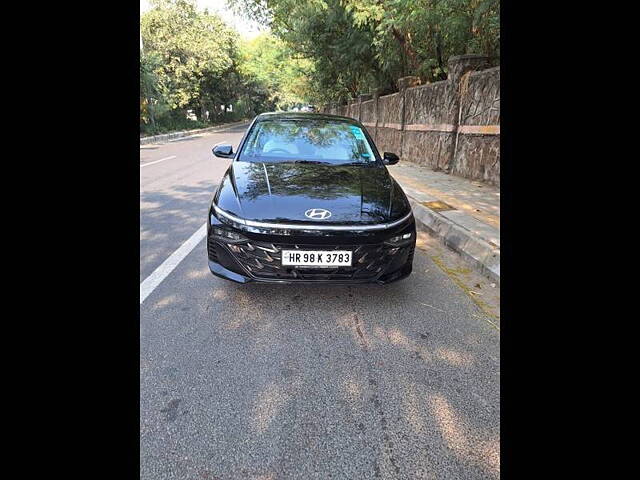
(464, 214)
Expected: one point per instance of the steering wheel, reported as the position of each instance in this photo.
(279, 150)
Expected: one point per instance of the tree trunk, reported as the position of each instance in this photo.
(441, 75)
(408, 54)
(152, 116)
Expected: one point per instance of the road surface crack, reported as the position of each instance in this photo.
(375, 399)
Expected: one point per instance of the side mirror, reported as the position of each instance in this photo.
(390, 158)
(223, 150)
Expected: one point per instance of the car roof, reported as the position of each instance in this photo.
(304, 116)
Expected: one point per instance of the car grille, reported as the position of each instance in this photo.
(264, 260)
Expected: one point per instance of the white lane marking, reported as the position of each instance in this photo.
(157, 161)
(150, 283)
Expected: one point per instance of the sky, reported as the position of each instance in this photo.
(246, 28)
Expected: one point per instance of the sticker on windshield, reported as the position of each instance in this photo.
(357, 132)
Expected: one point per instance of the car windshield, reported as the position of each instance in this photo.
(307, 141)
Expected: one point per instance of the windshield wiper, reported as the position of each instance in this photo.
(316, 162)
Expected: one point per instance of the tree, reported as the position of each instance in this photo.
(319, 51)
(356, 45)
(426, 32)
(323, 33)
(195, 51)
(152, 101)
(266, 61)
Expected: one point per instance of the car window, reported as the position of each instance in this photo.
(325, 141)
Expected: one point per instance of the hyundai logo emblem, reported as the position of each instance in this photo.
(317, 213)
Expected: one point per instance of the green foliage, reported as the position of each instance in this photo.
(341, 60)
(423, 34)
(152, 99)
(318, 51)
(189, 61)
(357, 45)
(194, 49)
(269, 64)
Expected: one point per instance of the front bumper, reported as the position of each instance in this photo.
(257, 258)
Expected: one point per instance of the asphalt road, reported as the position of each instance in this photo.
(279, 382)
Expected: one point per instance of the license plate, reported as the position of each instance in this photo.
(316, 258)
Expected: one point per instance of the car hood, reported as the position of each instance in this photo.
(283, 192)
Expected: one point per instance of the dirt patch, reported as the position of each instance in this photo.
(483, 291)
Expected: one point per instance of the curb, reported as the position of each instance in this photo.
(483, 256)
(165, 137)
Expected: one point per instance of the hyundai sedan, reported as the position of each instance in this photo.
(308, 199)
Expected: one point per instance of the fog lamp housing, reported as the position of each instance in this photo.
(400, 239)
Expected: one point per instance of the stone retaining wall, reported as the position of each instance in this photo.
(452, 125)
(477, 153)
(389, 129)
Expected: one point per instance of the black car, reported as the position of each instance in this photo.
(308, 199)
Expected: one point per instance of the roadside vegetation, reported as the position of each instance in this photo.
(196, 71)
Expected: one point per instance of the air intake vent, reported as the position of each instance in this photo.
(211, 250)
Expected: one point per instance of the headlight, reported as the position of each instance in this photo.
(399, 239)
(228, 235)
